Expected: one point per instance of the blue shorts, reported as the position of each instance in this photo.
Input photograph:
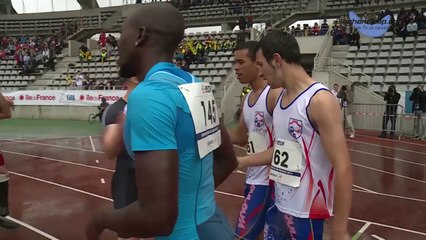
(286, 227)
(251, 220)
(217, 227)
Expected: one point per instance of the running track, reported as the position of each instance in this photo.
(56, 184)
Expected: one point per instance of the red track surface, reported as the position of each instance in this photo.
(56, 184)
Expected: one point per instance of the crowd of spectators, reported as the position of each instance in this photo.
(406, 23)
(82, 81)
(196, 51)
(29, 52)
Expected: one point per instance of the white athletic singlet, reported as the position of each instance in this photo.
(259, 125)
(307, 191)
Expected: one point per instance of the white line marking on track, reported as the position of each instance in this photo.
(392, 140)
(36, 230)
(366, 225)
(372, 154)
(220, 192)
(389, 226)
(384, 146)
(60, 185)
(57, 160)
(93, 145)
(386, 157)
(102, 181)
(395, 174)
(377, 237)
(391, 195)
(230, 194)
(93, 194)
(365, 189)
(53, 145)
(97, 161)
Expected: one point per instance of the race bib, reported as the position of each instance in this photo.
(256, 143)
(202, 105)
(287, 163)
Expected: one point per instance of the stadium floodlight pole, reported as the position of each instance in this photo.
(53, 9)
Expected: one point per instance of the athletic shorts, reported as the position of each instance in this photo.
(251, 220)
(216, 228)
(124, 190)
(286, 227)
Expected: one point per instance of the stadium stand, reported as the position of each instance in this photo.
(396, 58)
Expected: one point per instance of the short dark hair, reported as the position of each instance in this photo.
(251, 46)
(282, 43)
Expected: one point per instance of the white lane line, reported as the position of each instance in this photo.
(390, 173)
(384, 146)
(93, 145)
(392, 140)
(53, 145)
(391, 196)
(389, 226)
(365, 189)
(377, 237)
(57, 160)
(361, 231)
(60, 185)
(36, 230)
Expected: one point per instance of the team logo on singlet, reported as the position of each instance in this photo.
(295, 127)
(259, 119)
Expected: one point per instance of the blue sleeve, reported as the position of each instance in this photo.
(151, 116)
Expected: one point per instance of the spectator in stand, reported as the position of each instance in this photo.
(242, 23)
(346, 99)
(316, 29)
(102, 39)
(111, 40)
(52, 56)
(104, 55)
(392, 98)
(412, 27)
(82, 51)
(324, 27)
(417, 110)
(354, 38)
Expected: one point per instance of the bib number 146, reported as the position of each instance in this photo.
(210, 112)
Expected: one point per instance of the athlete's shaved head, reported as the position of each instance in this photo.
(150, 34)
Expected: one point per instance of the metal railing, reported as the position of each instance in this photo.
(386, 119)
(346, 71)
(321, 57)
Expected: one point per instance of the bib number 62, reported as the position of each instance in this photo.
(281, 158)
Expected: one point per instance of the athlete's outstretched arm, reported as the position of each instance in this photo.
(5, 111)
(239, 135)
(256, 159)
(224, 158)
(333, 138)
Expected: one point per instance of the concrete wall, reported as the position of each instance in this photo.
(54, 112)
(92, 44)
(310, 45)
(232, 103)
(73, 47)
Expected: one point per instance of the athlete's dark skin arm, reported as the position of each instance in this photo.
(155, 213)
(225, 160)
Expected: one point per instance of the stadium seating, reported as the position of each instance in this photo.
(390, 59)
